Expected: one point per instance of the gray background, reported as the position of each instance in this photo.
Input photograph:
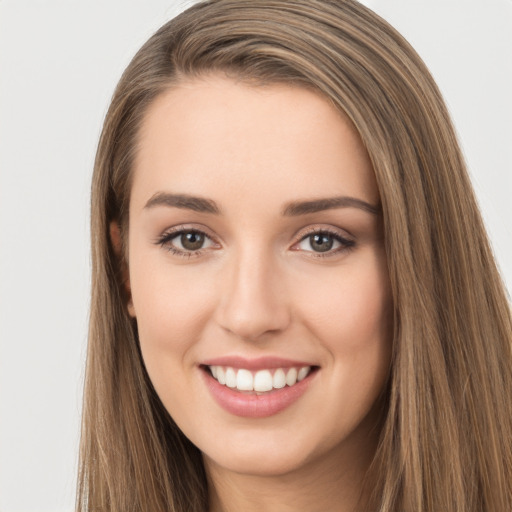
(59, 62)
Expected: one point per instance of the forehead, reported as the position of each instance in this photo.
(217, 136)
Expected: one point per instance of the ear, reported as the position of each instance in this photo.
(117, 245)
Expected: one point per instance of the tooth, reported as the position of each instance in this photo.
(230, 378)
(303, 372)
(263, 381)
(291, 376)
(221, 375)
(244, 380)
(279, 379)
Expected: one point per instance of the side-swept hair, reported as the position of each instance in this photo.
(446, 440)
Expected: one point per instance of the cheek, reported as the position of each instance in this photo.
(171, 312)
(352, 310)
(350, 315)
(167, 298)
(171, 309)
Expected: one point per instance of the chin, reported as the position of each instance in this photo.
(255, 461)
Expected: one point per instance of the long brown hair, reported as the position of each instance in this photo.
(446, 440)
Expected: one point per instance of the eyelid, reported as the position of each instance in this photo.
(323, 228)
(179, 228)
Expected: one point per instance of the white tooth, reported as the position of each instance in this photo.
(244, 380)
(213, 369)
(263, 381)
(230, 378)
(303, 372)
(221, 375)
(279, 379)
(291, 376)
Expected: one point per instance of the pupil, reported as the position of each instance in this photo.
(321, 243)
(192, 241)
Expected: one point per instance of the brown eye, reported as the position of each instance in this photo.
(192, 240)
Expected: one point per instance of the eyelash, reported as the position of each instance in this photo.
(165, 242)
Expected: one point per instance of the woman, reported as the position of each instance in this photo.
(295, 306)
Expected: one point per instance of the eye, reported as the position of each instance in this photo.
(190, 240)
(186, 242)
(324, 242)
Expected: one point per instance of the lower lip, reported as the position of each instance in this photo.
(256, 406)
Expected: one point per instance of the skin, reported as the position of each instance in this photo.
(258, 287)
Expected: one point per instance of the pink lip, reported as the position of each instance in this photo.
(259, 363)
(252, 405)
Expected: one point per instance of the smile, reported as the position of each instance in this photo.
(257, 388)
(259, 381)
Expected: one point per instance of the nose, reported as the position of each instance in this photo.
(253, 300)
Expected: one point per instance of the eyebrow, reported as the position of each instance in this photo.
(317, 205)
(292, 209)
(184, 201)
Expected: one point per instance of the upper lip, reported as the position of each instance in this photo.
(258, 363)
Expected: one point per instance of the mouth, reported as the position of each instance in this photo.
(257, 389)
(258, 382)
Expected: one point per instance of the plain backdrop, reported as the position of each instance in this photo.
(59, 63)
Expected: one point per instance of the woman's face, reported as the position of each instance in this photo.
(258, 274)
